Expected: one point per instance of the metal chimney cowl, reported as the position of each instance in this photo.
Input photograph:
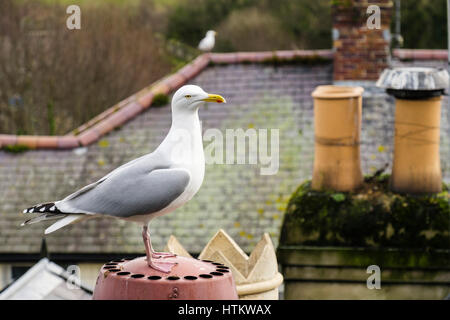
(414, 82)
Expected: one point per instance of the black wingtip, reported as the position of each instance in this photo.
(42, 208)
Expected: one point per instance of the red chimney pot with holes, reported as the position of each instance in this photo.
(190, 279)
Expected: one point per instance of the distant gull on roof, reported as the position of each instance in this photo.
(147, 187)
(208, 42)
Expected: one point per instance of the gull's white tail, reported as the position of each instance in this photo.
(64, 222)
(49, 211)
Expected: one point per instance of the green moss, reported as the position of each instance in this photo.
(16, 148)
(160, 100)
(371, 217)
(406, 59)
(342, 3)
(277, 61)
(299, 60)
(103, 143)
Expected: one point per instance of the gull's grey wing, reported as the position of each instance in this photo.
(143, 187)
(94, 184)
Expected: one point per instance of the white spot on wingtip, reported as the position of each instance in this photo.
(25, 211)
(52, 208)
(42, 209)
(31, 210)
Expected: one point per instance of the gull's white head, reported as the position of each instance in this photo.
(190, 97)
(211, 33)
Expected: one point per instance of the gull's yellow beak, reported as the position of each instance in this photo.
(215, 98)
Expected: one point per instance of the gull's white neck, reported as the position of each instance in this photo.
(187, 120)
(184, 138)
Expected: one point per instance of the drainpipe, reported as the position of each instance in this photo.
(418, 93)
(398, 36)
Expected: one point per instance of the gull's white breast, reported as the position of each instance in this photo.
(196, 168)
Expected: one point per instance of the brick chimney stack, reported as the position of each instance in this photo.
(360, 39)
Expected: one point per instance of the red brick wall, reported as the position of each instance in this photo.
(360, 53)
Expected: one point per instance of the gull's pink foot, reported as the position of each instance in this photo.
(163, 266)
(154, 258)
(158, 255)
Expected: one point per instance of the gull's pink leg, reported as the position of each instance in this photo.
(158, 255)
(163, 266)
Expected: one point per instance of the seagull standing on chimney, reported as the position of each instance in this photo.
(207, 43)
(147, 187)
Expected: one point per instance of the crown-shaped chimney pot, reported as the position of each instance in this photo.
(256, 276)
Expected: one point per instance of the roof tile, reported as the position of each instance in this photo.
(285, 54)
(103, 127)
(421, 54)
(253, 56)
(202, 61)
(47, 142)
(160, 88)
(145, 98)
(174, 81)
(118, 118)
(224, 57)
(189, 71)
(88, 136)
(132, 109)
(68, 142)
(29, 141)
(7, 139)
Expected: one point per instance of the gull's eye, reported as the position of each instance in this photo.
(187, 96)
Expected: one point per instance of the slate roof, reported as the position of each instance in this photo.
(235, 198)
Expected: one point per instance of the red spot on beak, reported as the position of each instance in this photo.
(219, 101)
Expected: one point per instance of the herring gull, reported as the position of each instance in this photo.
(207, 43)
(147, 187)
